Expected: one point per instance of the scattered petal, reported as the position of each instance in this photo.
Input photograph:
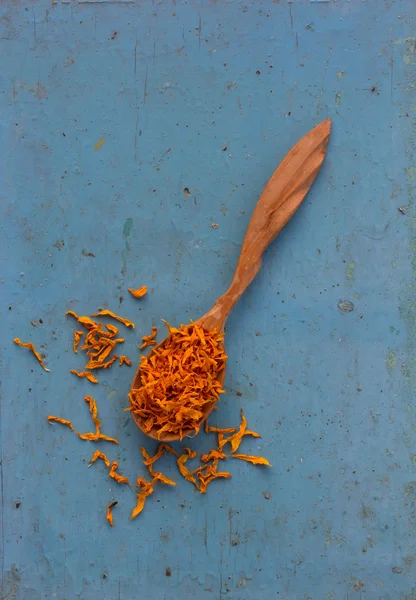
(97, 454)
(109, 515)
(147, 489)
(149, 340)
(109, 313)
(205, 480)
(95, 364)
(142, 291)
(235, 439)
(31, 347)
(181, 464)
(77, 338)
(124, 360)
(256, 460)
(94, 437)
(99, 144)
(51, 418)
(85, 374)
(113, 473)
(86, 321)
(213, 454)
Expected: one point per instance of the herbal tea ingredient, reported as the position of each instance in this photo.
(109, 313)
(31, 347)
(109, 514)
(52, 419)
(77, 338)
(179, 380)
(142, 291)
(149, 340)
(98, 344)
(85, 374)
(124, 361)
(93, 437)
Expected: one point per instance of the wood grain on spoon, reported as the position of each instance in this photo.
(279, 201)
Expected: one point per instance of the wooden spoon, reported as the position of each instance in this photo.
(279, 201)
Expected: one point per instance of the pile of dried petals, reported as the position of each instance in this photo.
(179, 380)
(98, 343)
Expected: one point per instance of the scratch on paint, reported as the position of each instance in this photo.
(319, 105)
(136, 130)
(199, 30)
(135, 58)
(230, 518)
(391, 62)
(145, 87)
(34, 31)
(128, 226)
(99, 144)
(391, 361)
(350, 271)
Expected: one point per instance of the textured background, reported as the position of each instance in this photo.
(198, 102)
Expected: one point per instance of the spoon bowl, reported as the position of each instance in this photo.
(171, 437)
(208, 323)
(279, 201)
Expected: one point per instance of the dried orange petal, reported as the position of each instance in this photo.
(255, 460)
(124, 360)
(59, 420)
(112, 329)
(161, 449)
(109, 313)
(148, 461)
(109, 515)
(31, 347)
(97, 454)
(158, 476)
(204, 481)
(95, 364)
(149, 340)
(181, 464)
(77, 337)
(209, 429)
(107, 439)
(85, 374)
(86, 321)
(94, 437)
(235, 439)
(213, 454)
(113, 473)
(142, 291)
(147, 489)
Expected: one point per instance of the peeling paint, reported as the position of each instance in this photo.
(391, 361)
(350, 271)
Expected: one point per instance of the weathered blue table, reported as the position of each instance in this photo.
(136, 139)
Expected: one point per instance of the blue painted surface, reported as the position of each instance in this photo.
(210, 97)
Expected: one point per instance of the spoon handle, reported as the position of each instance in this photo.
(279, 201)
